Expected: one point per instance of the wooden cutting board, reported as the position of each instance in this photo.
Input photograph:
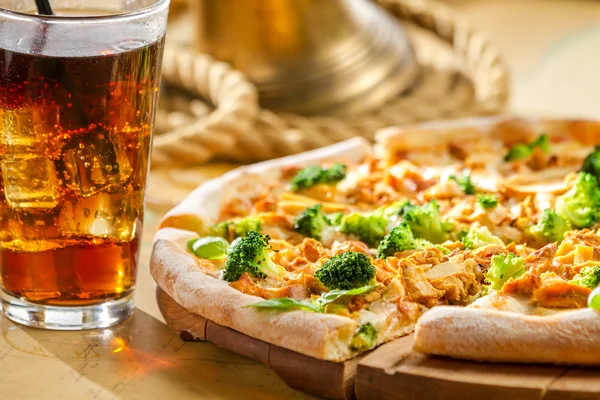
(392, 371)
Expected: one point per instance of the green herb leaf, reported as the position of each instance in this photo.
(443, 249)
(330, 297)
(285, 304)
(465, 183)
(594, 299)
(522, 151)
(210, 247)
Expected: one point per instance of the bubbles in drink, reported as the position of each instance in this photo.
(93, 162)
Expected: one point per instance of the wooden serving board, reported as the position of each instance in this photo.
(392, 371)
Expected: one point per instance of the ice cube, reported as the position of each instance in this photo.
(29, 129)
(93, 162)
(107, 215)
(29, 181)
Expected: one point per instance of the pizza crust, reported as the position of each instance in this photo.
(440, 133)
(324, 336)
(568, 337)
(201, 208)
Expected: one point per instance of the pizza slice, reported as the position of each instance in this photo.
(278, 251)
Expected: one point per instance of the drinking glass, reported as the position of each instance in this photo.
(78, 93)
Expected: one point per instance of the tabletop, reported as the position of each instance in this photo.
(551, 47)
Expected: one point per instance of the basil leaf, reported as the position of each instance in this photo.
(330, 297)
(285, 303)
(210, 247)
(594, 299)
(443, 249)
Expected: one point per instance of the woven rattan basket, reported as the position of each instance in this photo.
(219, 117)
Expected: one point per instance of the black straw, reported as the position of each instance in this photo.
(44, 7)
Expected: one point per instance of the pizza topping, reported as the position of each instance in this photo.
(522, 151)
(312, 221)
(233, 229)
(347, 271)
(556, 292)
(246, 284)
(591, 164)
(523, 285)
(315, 174)
(322, 304)
(335, 295)
(458, 284)
(480, 236)
(588, 277)
(504, 267)
(417, 285)
(464, 181)
(210, 247)
(350, 245)
(487, 201)
(365, 338)
(426, 223)
(250, 254)
(594, 299)
(542, 260)
(581, 204)
(399, 239)
(551, 227)
(286, 304)
(369, 228)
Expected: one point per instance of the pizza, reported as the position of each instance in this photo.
(482, 233)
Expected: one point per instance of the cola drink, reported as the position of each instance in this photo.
(75, 134)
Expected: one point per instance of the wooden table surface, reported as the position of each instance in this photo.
(552, 48)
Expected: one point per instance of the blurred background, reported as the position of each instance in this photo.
(250, 80)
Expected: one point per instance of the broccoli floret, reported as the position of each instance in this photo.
(464, 181)
(312, 221)
(315, 174)
(365, 338)
(550, 228)
(423, 243)
(235, 228)
(487, 201)
(399, 239)
(346, 271)
(335, 219)
(502, 268)
(588, 277)
(369, 228)
(250, 254)
(522, 150)
(425, 222)
(581, 204)
(398, 208)
(591, 164)
(479, 237)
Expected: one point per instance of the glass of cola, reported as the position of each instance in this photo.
(78, 93)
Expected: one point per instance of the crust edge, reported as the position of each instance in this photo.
(569, 337)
